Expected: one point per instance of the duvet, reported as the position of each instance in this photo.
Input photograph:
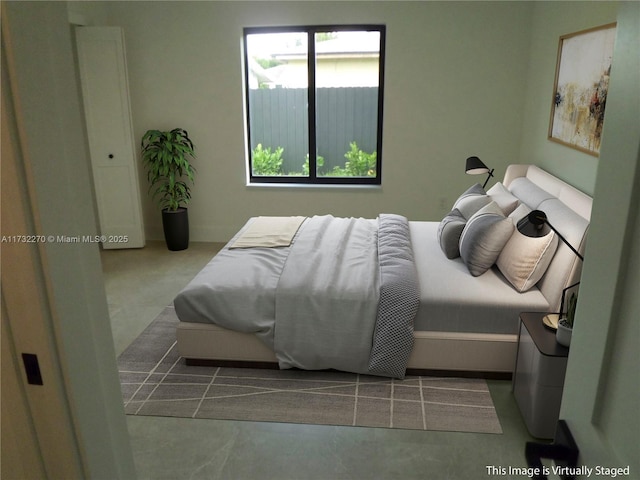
(342, 296)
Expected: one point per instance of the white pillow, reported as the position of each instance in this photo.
(503, 197)
(483, 238)
(519, 213)
(524, 260)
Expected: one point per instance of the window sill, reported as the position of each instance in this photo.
(311, 186)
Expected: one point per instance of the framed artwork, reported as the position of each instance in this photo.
(580, 88)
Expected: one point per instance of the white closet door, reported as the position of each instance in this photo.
(105, 91)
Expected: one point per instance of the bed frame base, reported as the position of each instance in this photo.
(198, 362)
(434, 353)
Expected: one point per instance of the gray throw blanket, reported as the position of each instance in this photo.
(347, 297)
(327, 296)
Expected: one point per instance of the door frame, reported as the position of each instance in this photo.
(67, 323)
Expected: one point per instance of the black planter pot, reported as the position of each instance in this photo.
(176, 228)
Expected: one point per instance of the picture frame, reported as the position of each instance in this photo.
(580, 89)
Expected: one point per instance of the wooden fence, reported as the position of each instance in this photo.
(278, 118)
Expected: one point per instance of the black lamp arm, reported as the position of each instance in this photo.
(565, 241)
(564, 291)
(490, 174)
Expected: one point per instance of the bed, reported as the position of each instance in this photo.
(443, 296)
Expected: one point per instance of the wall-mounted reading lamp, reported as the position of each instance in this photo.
(476, 167)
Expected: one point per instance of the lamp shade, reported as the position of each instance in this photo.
(534, 224)
(475, 166)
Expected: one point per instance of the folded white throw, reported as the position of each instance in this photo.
(269, 232)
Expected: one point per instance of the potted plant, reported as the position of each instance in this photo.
(565, 325)
(166, 156)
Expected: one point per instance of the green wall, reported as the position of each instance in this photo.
(462, 78)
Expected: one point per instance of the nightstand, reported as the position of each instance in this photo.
(538, 376)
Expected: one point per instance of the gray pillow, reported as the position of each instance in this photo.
(473, 190)
(449, 232)
(472, 200)
(483, 238)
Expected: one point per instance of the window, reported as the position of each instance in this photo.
(314, 104)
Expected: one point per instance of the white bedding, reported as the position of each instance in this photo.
(452, 300)
(316, 302)
(244, 282)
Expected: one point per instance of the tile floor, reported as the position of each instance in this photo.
(140, 283)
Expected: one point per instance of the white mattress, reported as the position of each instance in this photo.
(463, 303)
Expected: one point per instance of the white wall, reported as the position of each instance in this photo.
(551, 20)
(455, 82)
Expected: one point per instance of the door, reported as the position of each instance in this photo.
(105, 91)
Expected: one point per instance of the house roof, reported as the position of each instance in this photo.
(261, 74)
(345, 44)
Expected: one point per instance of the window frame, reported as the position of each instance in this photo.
(313, 178)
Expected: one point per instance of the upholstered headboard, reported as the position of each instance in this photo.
(567, 209)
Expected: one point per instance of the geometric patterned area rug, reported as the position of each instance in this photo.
(156, 381)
